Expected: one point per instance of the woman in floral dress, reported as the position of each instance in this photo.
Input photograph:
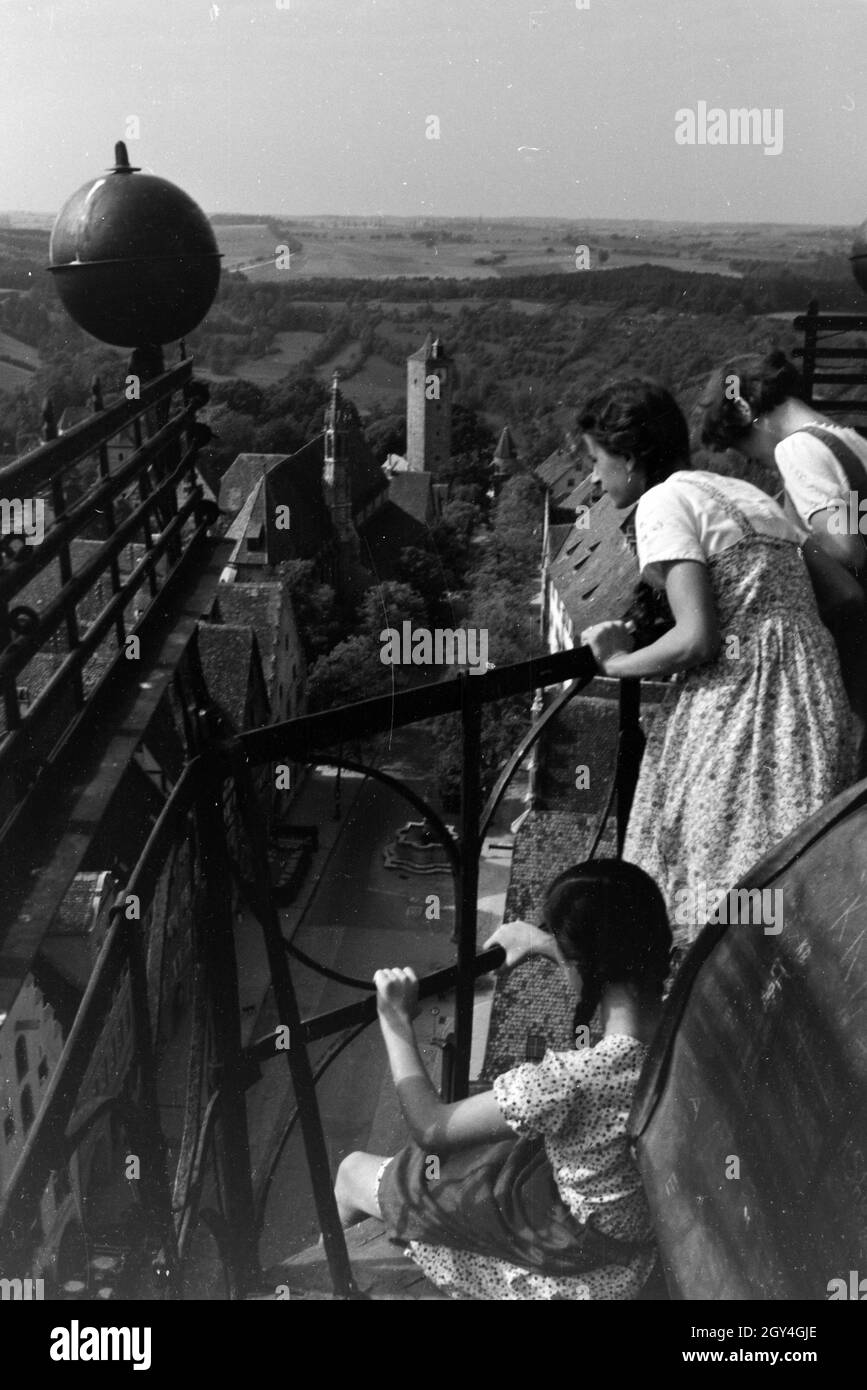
(761, 734)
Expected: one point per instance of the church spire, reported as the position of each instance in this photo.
(336, 466)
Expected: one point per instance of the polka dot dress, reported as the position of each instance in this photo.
(579, 1103)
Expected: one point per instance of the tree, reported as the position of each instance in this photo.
(424, 573)
(234, 434)
(278, 437)
(451, 536)
(241, 397)
(388, 605)
(387, 436)
(470, 434)
(314, 605)
(351, 671)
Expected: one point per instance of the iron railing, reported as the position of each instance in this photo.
(823, 365)
(219, 1128)
(73, 603)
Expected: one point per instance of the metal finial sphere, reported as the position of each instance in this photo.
(134, 259)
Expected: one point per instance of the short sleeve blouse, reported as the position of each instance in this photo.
(813, 478)
(679, 520)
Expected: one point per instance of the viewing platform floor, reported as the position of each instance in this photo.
(382, 1271)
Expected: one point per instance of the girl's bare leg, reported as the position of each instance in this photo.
(355, 1188)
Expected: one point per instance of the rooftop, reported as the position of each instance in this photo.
(227, 653)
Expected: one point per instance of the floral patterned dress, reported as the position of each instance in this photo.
(759, 738)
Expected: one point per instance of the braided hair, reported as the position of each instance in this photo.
(609, 918)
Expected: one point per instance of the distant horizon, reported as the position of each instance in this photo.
(528, 219)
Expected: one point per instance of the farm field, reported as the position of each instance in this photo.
(367, 253)
(377, 383)
(18, 362)
(292, 349)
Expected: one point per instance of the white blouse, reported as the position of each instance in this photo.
(812, 476)
(678, 520)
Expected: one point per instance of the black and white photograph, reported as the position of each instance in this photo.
(433, 669)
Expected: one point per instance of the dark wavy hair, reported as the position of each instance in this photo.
(639, 416)
(609, 918)
(764, 382)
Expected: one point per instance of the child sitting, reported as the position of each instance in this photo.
(528, 1191)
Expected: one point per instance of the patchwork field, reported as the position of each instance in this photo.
(500, 250)
(292, 349)
(18, 362)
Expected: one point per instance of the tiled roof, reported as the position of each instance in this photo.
(385, 534)
(251, 515)
(412, 493)
(297, 483)
(554, 467)
(582, 494)
(241, 477)
(595, 573)
(365, 475)
(534, 998)
(558, 535)
(257, 606)
(227, 652)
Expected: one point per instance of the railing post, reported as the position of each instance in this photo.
(155, 1185)
(233, 1143)
(811, 338)
(97, 405)
(58, 502)
(630, 747)
(297, 1054)
(468, 885)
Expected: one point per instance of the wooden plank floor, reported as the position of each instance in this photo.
(381, 1270)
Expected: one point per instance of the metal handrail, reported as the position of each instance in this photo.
(202, 786)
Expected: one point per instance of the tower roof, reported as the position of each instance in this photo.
(506, 450)
(430, 349)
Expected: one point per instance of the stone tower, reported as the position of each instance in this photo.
(429, 380)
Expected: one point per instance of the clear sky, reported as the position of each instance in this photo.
(306, 106)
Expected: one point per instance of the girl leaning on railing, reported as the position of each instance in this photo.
(528, 1191)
